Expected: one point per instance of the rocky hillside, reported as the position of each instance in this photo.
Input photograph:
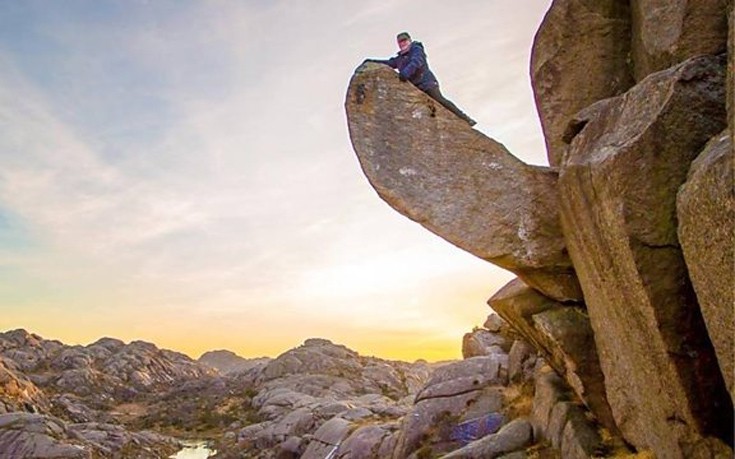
(104, 373)
(67, 401)
(324, 400)
(624, 246)
(225, 361)
(316, 400)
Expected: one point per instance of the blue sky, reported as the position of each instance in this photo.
(181, 172)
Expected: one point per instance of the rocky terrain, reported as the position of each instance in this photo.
(623, 247)
(321, 398)
(225, 361)
(615, 339)
(63, 401)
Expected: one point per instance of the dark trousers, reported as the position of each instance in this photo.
(436, 94)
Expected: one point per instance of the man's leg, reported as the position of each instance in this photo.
(436, 94)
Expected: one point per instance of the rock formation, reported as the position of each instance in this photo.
(324, 400)
(313, 398)
(26, 435)
(313, 401)
(591, 31)
(17, 392)
(432, 167)
(483, 342)
(618, 191)
(629, 94)
(706, 217)
(68, 401)
(563, 335)
(104, 369)
(665, 33)
(512, 437)
(225, 361)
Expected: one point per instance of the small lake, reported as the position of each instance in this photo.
(194, 450)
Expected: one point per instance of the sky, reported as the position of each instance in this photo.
(181, 172)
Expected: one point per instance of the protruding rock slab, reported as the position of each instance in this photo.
(579, 56)
(618, 191)
(706, 214)
(432, 167)
(667, 32)
(564, 336)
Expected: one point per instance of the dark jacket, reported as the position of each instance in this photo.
(414, 67)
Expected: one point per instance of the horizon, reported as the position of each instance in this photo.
(198, 357)
(181, 173)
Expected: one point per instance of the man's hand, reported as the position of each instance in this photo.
(402, 77)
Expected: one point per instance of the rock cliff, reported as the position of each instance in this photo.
(318, 400)
(623, 248)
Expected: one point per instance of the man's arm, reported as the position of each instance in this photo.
(417, 61)
(390, 62)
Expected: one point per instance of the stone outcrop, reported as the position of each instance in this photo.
(522, 360)
(667, 32)
(455, 393)
(433, 168)
(563, 335)
(557, 418)
(228, 362)
(104, 369)
(26, 435)
(92, 401)
(315, 401)
(302, 403)
(627, 158)
(315, 398)
(629, 94)
(327, 439)
(512, 437)
(370, 442)
(309, 367)
(495, 324)
(593, 32)
(26, 351)
(34, 435)
(18, 393)
(483, 342)
(706, 216)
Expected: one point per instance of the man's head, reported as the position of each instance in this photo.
(404, 41)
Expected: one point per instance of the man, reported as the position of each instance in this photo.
(412, 66)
